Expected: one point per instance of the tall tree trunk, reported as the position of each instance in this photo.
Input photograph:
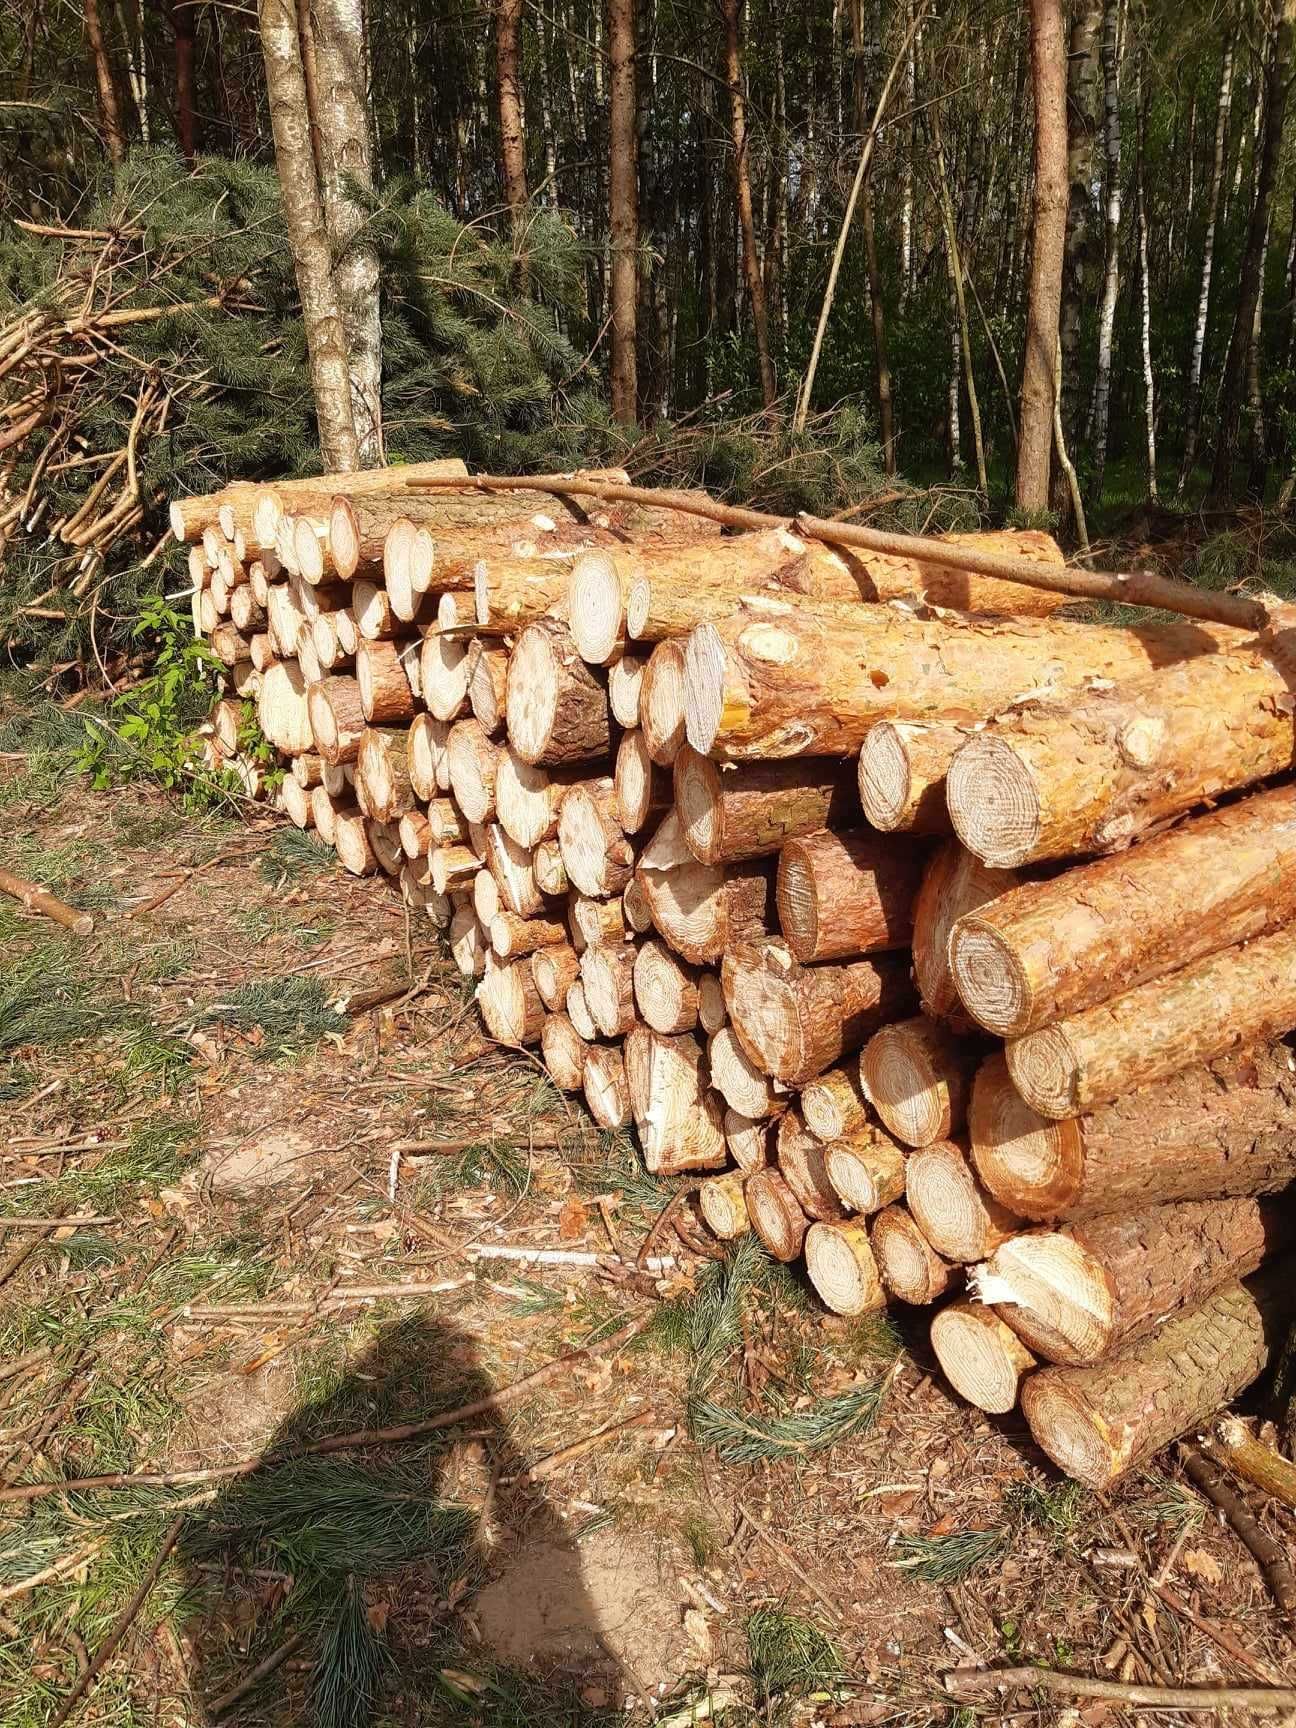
(342, 129)
(182, 24)
(964, 342)
(886, 416)
(545, 49)
(1048, 68)
(132, 29)
(1111, 275)
(1145, 285)
(1258, 472)
(512, 125)
(109, 107)
(623, 209)
(1081, 228)
(731, 11)
(307, 235)
(1251, 278)
(907, 175)
(1192, 414)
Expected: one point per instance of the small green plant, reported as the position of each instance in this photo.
(789, 1657)
(739, 1438)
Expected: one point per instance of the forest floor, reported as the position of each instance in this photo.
(258, 1165)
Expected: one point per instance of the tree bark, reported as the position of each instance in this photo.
(731, 11)
(308, 236)
(181, 13)
(1048, 76)
(845, 893)
(1078, 263)
(623, 210)
(109, 106)
(734, 814)
(512, 124)
(1192, 412)
(557, 710)
(1110, 57)
(1145, 289)
(954, 885)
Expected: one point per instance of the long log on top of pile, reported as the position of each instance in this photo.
(1134, 588)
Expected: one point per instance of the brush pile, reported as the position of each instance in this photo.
(772, 850)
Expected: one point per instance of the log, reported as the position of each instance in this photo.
(917, 1075)
(606, 1090)
(487, 684)
(748, 1141)
(902, 769)
(229, 644)
(514, 873)
(408, 555)
(701, 909)
(910, 1268)
(323, 808)
(842, 1268)
(467, 942)
(1255, 1462)
(555, 969)
(283, 711)
(564, 1052)
(608, 977)
(510, 1005)
(738, 1080)
(446, 822)
(415, 835)
(452, 867)
(308, 769)
(1220, 1129)
(352, 841)
(983, 1360)
(556, 708)
(775, 1215)
(550, 871)
(596, 855)
(443, 674)
(661, 703)
(382, 765)
(428, 765)
(1050, 949)
(625, 680)
(376, 617)
(731, 813)
(1076, 1294)
(596, 922)
(384, 837)
(712, 1013)
(579, 1014)
(385, 693)
(777, 679)
(1092, 776)
(473, 762)
(254, 510)
(359, 529)
(1229, 1001)
(528, 797)
(1095, 1423)
(842, 894)
(34, 898)
(866, 1169)
(665, 990)
(955, 886)
(802, 1166)
(642, 790)
(678, 1119)
(960, 1219)
(417, 892)
(723, 1208)
(296, 802)
(794, 1021)
(833, 1104)
(512, 937)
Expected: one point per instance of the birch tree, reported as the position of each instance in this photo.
(1192, 414)
(1110, 57)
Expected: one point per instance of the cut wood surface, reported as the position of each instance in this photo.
(846, 893)
(739, 1081)
(842, 1269)
(833, 1103)
(778, 679)
(954, 886)
(901, 775)
(775, 1214)
(385, 693)
(661, 703)
(731, 812)
(608, 976)
(557, 709)
(642, 789)
(511, 1005)
(910, 1268)
(564, 1052)
(1098, 1422)
(982, 1358)
(1056, 779)
(678, 1118)
(701, 910)
(801, 1163)
(665, 990)
(917, 1075)
(723, 1208)
(1228, 1001)
(282, 709)
(555, 968)
(1050, 949)
(606, 1091)
(528, 797)
(1076, 1294)
(596, 854)
(866, 1169)
(37, 899)
(960, 1219)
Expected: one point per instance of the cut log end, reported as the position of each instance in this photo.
(993, 802)
(1052, 1293)
(910, 1267)
(1030, 1164)
(884, 778)
(606, 1091)
(842, 1268)
(700, 805)
(723, 1209)
(704, 687)
(866, 1172)
(1067, 1431)
(982, 1359)
(960, 1220)
(989, 976)
(661, 703)
(1046, 1071)
(595, 609)
(775, 1215)
(915, 1076)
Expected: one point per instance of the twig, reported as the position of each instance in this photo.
(255, 1676)
(656, 1263)
(1267, 1554)
(56, 1569)
(793, 1565)
(662, 1219)
(122, 1625)
(964, 1683)
(568, 1454)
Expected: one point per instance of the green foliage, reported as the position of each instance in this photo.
(289, 1012)
(789, 1657)
(349, 1664)
(1259, 560)
(292, 853)
(953, 1557)
(739, 1438)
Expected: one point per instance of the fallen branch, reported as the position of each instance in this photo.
(255, 1676)
(568, 1454)
(1255, 1461)
(1268, 1555)
(36, 899)
(968, 1683)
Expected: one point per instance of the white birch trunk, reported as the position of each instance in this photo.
(1110, 55)
(1193, 413)
(1149, 382)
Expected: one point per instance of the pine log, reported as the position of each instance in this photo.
(738, 1080)
(453, 518)
(487, 683)
(595, 922)
(564, 1052)
(1097, 1422)
(467, 942)
(550, 871)
(514, 872)
(842, 1269)
(283, 711)
(556, 708)
(443, 674)
(712, 1013)
(255, 509)
(1091, 776)
(1050, 949)
(384, 837)
(1228, 1001)
(748, 1141)
(376, 617)
(382, 764)
(261, 652)
(983, 1360)
(701, 909)
(608, 977)
(226, 720)
(955, 886)
(284, 619)
(352, 841)
(598, 858)
(1256, 1462)
(323, 809)
(408, 556)
(661, 703)
(678, 1118)
(733, 812)
(555, 969)
(778, 679)
(510, 1005)
(579, 1014)
(642, 790)
(723, 1208)
(606, 1090)
(866, 1169)
(625, 681)
(487, 901)
(446, 822)
(249, 615)
(308, 769)
(296, 802)
(842, 894)
(385, 693)
(228, 644)
(419, 894)
(833, 1104)
(1076, 1294)
(452, 867)
(795, 1021)
(528, 797)
(473, 761)
(415, 835)
(512, 937)
(910, 1268)
(775, 1215)
(665, 990)
(960, 1219)
(428, 765)
(918, 1076)
(33, 898)
(802, 1166)
(902, 769)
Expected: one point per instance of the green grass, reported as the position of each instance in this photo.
(789, 1657)
(289, 1012)
(155, 1155)
(292, 853)
(742, 1438)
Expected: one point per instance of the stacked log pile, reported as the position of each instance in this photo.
(866, 914)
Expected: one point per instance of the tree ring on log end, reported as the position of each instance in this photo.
(704, 681)
(992, 983)
(1061, 1427)
(1052, 1293)
(700, 803)
(594, 607)
(1045, 1071)
(884, 778)
(979, 1356)
(842, 1268)
(1031, 1165)
(993, 803)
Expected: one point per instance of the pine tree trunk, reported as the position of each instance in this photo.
(182, 24)
(1192, 413)
(1110, 54)
(731, 12)
(886, 413)
(109, 107)
(307, 236)
(1035, 442)
(623, 210)
(963, 345)
(1250, 280)
(512, 123)
(1082, 227)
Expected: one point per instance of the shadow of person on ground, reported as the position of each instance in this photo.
(343, 1588)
